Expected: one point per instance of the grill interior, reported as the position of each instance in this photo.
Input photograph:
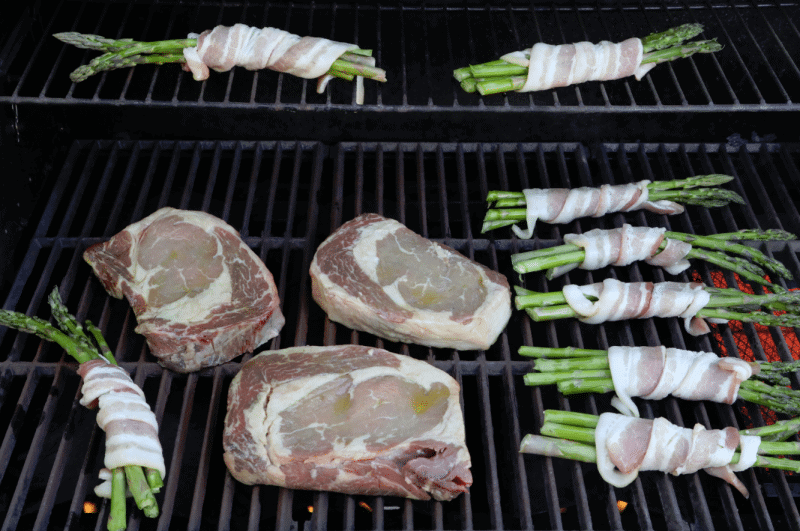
(284, 166)
(272, 191)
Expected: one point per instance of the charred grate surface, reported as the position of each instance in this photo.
(756, 74)
(285, 197)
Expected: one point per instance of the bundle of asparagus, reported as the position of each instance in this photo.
(622, 446)
(598, 248)
(613, 300)
(255, 48)
(133, 452)
(544, 66)
(562, 205)
(656, 372)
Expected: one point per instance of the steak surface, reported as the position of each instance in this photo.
(348, 418)
(375, 275)
(200, 295)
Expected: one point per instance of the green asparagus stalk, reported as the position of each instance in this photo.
(714, 249)
(499, 76)
(589, 372)
(702, 190)
(570, 435)
(123, 53)
(727, 304)
(71, 336)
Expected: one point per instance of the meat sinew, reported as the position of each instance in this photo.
(347, 418)
(374, 274)
(200, 295)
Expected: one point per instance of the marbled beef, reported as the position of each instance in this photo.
(374, 274)
(350, 419)
(200, 295)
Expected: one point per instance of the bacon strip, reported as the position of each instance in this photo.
(617, 301)
(562, 205)
(627, 244)
(627, 445)
(656, 372)
(551, 66)
(131, 427)
(257, 48)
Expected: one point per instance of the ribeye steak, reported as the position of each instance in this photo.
(376, 275)
(350, 419)
(200, 295)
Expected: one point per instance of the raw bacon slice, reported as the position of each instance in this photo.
(627, 445)
(656, 372)
(256, 48)
(563, 205)
(376, 275)
(131, 427)
(625, 245)
(350, 419)
(200, 295)
(550, 66)
(617, 301)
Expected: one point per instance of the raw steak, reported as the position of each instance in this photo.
(350, 419)
(374, 274)
(200, 295)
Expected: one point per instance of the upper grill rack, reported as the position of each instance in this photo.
(419, 45)
(285, 197)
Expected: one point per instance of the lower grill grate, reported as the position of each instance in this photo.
(285, 197)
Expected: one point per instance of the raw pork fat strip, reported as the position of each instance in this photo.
(563, 205)
(551, 66)
(256, 48)
(626, 445)
(131, 427)
(618, 301)
(625, 245)
(347, 418)
(374, 274)
(200, 295)
(654, 373)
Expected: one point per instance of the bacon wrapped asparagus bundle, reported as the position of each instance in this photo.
(563, 205)
(224, 47)
(622, 246)
(622, 446)
(654, 373)
(133, 452)
(545, 66)
(612, 300)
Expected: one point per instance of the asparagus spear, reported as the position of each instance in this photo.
(726, 304)
(714, 249)
(570, 435)
(502, 76)
(590, 373)
(123, 53)
(70, 335)
(701, 190)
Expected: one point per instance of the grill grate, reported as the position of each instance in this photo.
(285, 197)
(736, 91)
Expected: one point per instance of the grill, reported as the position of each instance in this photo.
(102, 154)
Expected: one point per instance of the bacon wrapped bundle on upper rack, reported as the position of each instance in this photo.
(224, 47)
(546, 66)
